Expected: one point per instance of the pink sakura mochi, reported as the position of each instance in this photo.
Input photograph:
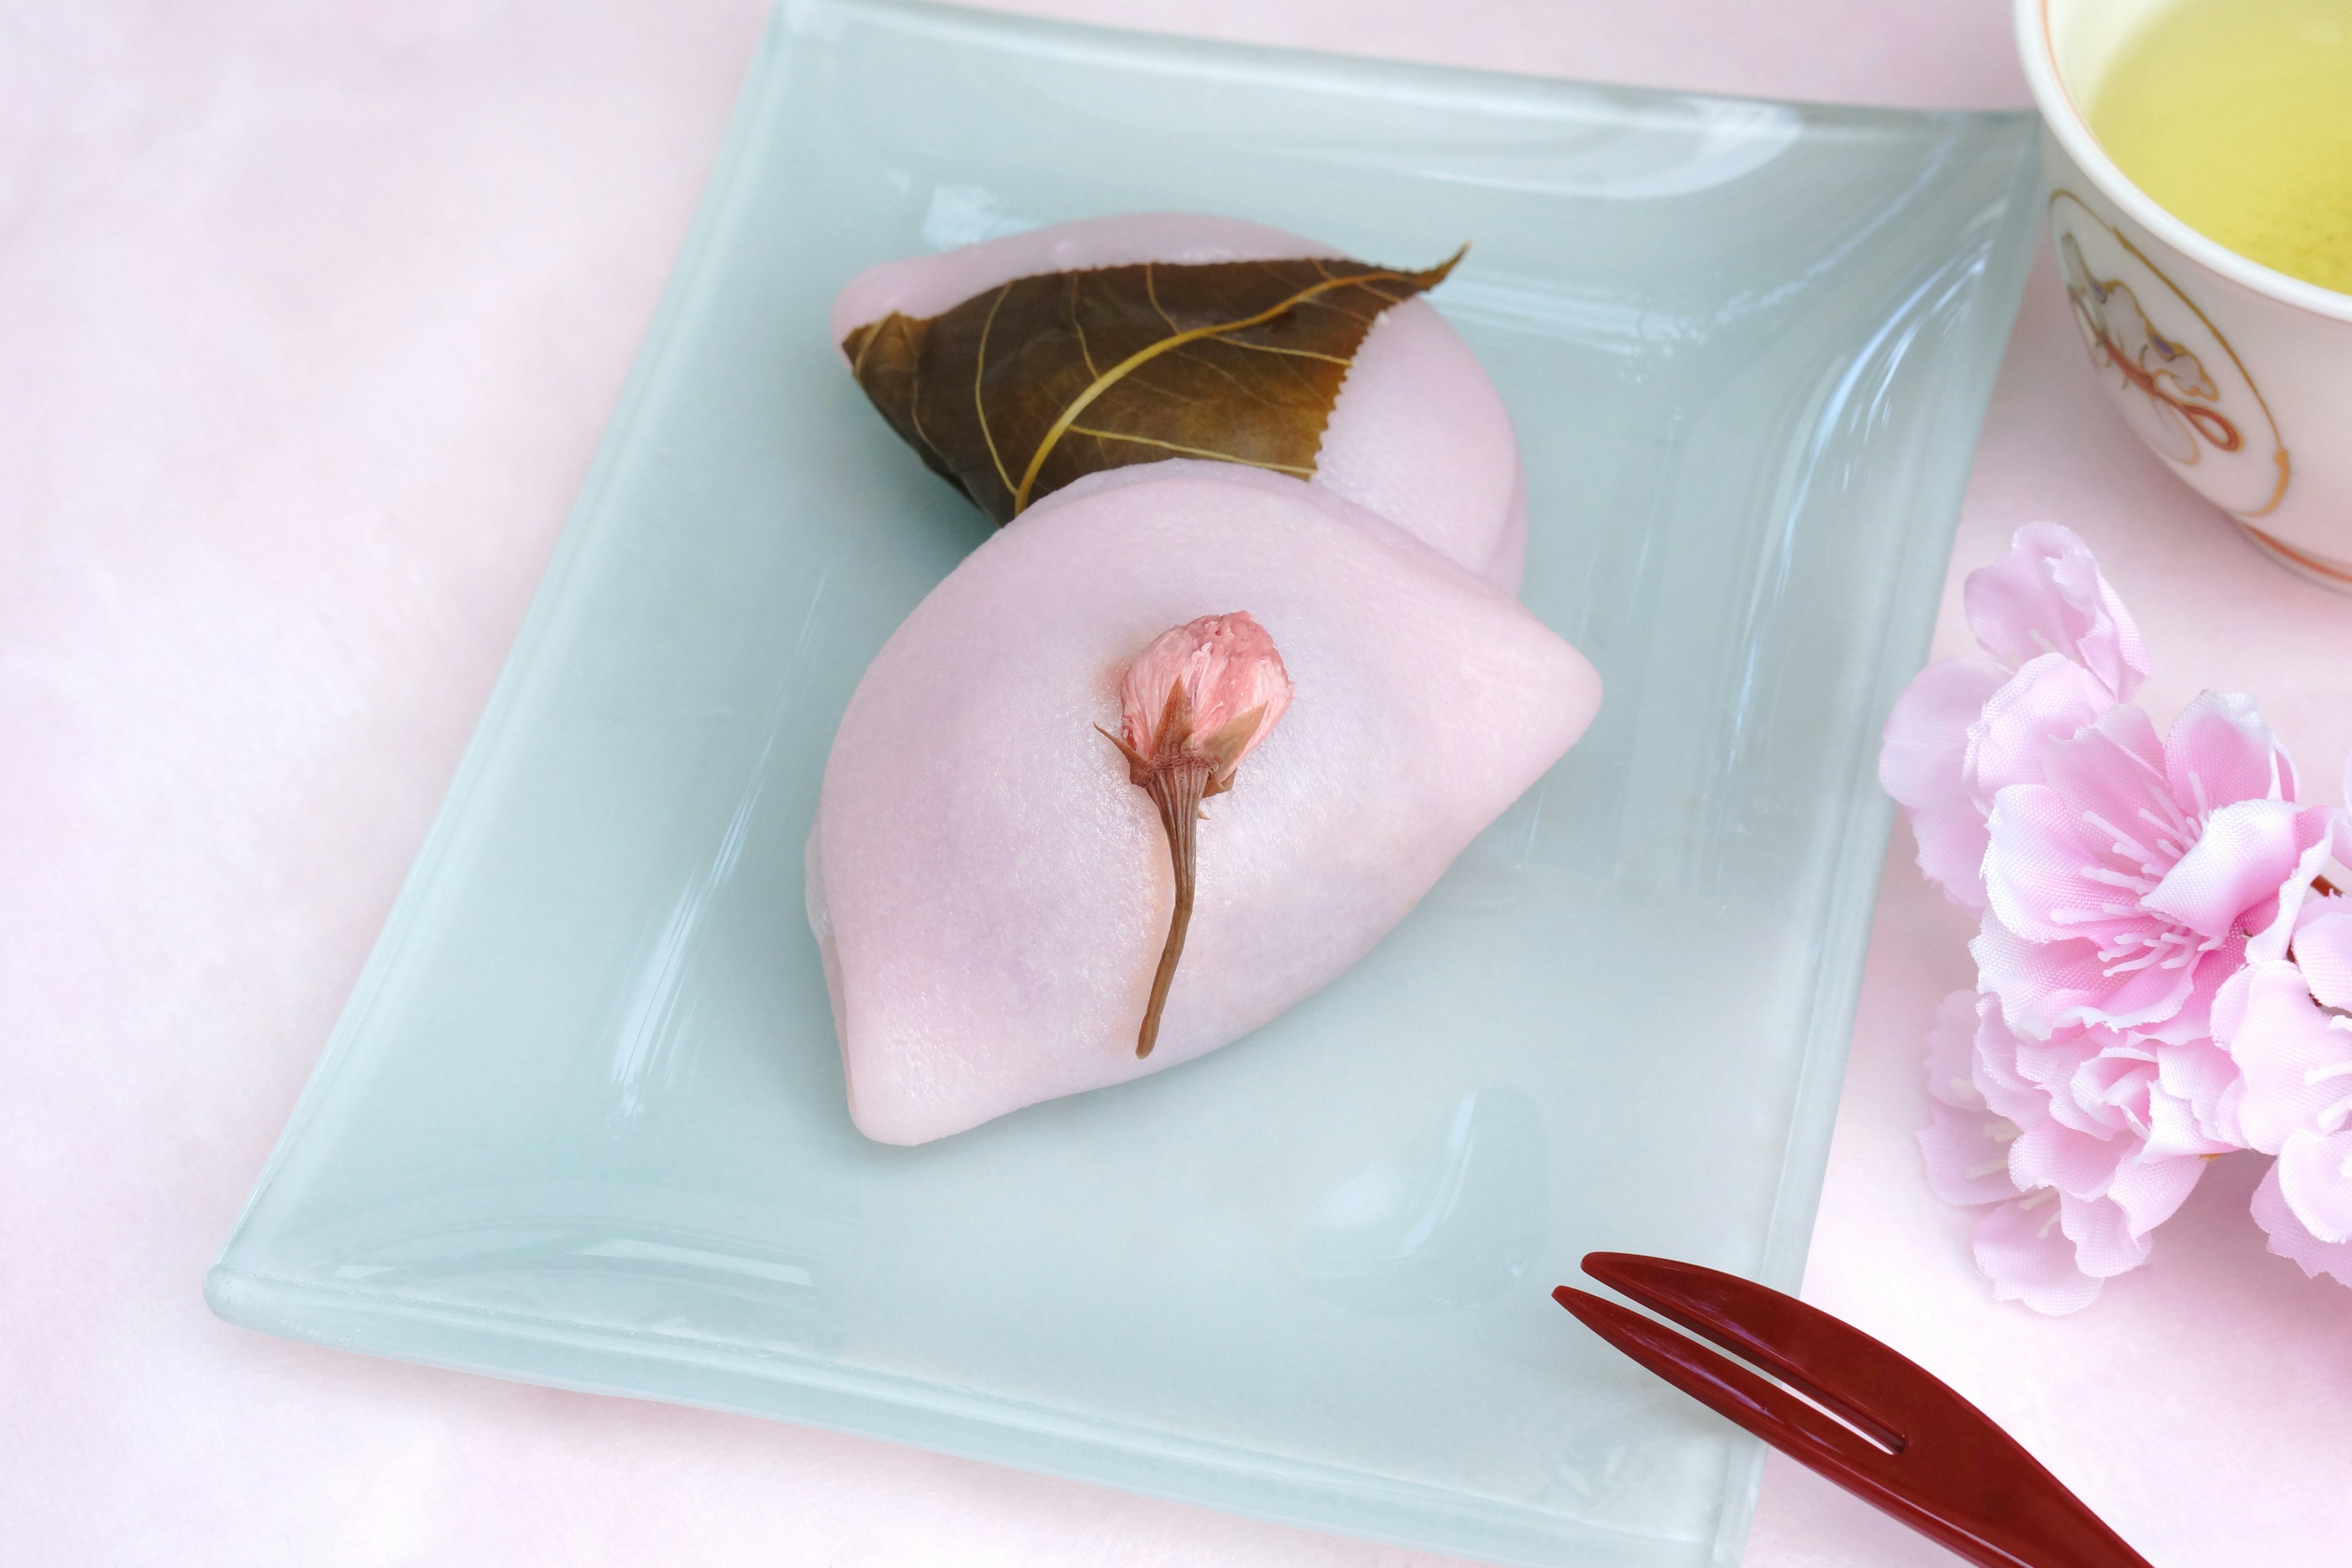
(990, 890)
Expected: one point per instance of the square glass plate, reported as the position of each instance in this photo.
(583, 1121)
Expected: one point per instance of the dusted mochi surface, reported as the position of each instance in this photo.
(1418, 435)
(990, 890)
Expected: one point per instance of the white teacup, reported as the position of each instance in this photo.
(2238, 377)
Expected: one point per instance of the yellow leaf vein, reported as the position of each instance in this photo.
(1189, 451)
(979, 369)
(1150, 351)
(1078, 325)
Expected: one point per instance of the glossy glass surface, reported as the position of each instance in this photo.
(583, 1122)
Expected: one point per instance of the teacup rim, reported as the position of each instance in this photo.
(2065, 121)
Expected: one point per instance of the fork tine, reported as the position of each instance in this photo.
(1793, 1342)
(1725, 1388)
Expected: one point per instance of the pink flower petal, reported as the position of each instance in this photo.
(2322, 951)
(2193, 1017)
(2051, 698)
(2173, 1131)
(2149, 1191)
(2201, 1074)
(2103, 831)
(2045, 986)
(2296, 1059)
(2042, 985)
(2034, 866)
(1923, 766)
(2236, 996)
(1951, 1052)
(1968, 1162)
(2105, 1244)
(2149, 1000)
(2271, 924)
(2058, 1059)
(2314, 1172)
(2132, 732)
(2051, 1065)
(2290, 1239)
(2079, 1164)
(2047, 595)
(2022, 1249)
(2111, 779)
(2248, 848)
(2118, 1079)
(2006, 1089)
(2220, 749)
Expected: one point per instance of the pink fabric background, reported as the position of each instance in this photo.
(309, 318)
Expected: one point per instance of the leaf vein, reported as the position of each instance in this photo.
(979, 369)
(1078, 325)
(1189, 451)
(1150, 351)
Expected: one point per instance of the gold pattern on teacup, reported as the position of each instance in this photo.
(2165, 373)
(2177, 381)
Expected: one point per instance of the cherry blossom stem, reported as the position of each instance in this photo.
(1176, 792)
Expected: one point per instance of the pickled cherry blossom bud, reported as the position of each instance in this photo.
(1224, 676)
(1196, 700)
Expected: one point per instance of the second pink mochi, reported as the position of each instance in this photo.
(1418, 433)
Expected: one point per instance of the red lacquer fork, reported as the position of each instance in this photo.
(1908, 1445)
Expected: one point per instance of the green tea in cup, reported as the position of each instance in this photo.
(2236, 117)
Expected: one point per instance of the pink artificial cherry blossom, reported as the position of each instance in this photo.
(1924, 766)
(2292, 1239)
(2287, 1022)
(2047, 595)
(2122, 891)
(2296, 1056)
(2309, 896)
(2076, 1141)
(2165, 957)
(2064, 650)
(2323, 950)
